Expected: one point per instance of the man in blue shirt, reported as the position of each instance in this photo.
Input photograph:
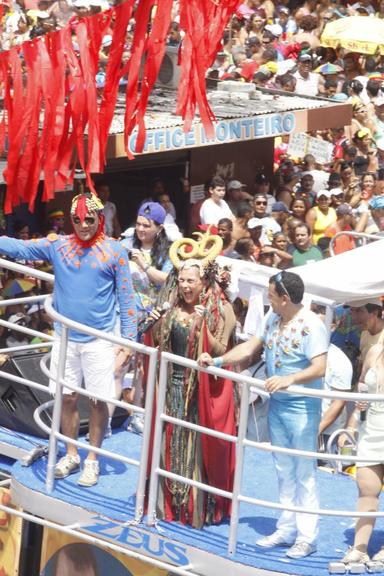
(295, 345)
(91, 274)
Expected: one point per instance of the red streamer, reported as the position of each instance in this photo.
(53, 103)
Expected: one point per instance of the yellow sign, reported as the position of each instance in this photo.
(64, 555)
(10, 538)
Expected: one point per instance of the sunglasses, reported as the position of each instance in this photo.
(89, 220)
(260, 203)
(280, 283)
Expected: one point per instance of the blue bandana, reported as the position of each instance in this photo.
(376, 203)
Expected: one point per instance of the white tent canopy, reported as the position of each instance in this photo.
(347, 277)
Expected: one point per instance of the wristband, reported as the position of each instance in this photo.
(218, 362)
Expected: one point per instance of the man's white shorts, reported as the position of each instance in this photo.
(93, 362)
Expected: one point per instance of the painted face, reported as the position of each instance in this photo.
(190, 285)
(146, 229)
(87, 229)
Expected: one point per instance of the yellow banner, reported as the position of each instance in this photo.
(64, 555)
(10, 538)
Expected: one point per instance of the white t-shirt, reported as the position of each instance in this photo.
(211, 212)
(320, 179)
(307, 86)
(270, 227)
(338, 376)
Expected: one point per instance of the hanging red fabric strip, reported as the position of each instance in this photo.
(3, 83)
(47, 111)
(142, 23)
(15, 129)
(77, 97)
(217, 411)
(123, 13)
(53, 85)
(156, 45)
(90, 102)
(203, 22)
(28, 162)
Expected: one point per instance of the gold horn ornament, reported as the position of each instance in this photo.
(206, 248)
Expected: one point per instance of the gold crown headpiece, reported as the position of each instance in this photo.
(205, 249)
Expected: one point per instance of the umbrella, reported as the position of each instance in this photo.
(329, 68)
(16, 287)
(356, 34)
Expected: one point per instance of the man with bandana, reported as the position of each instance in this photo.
(376, 211)
(91, 274)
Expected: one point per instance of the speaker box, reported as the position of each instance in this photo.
(169, 73)
(18, 401)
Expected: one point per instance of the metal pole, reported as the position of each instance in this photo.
(244, 407)
(328, 318)
(156, 450)
(149, 399)
(56, 417)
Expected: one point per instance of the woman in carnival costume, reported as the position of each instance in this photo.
(200, 319)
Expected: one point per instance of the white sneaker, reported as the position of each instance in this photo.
(300, 550)
(67, 465)
(379, 556)
(136, 423)
(356, 556)
(90, 473)
(273, 540)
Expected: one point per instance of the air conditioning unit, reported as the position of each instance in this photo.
(169, 73)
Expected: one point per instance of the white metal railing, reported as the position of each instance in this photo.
(161, 417)
(54, 431)
(353, 234)
(55, 434)
(241, 442)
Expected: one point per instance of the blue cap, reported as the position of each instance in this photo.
(153, 211)
(339, 97)
(279, 207)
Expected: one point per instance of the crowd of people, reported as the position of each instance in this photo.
(144, 270)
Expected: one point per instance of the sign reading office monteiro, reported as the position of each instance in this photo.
(226, 131)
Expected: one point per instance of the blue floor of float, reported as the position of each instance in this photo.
(113, 497)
